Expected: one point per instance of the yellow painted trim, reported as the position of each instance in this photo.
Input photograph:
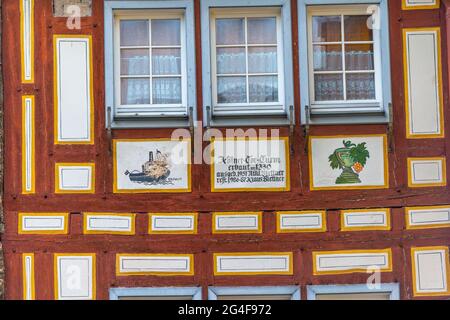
(405, 6)
(33, 145)
(98, 214)
(425, 185)
(163, 274)
(24, 276)
(367, 228)
(406, 76)
(385, 157)
(189, 165)
(427, 226)
(57, 178)
(22, 41)
(55, 271)
(193, 215)
(216, 214)
(51, 214)
(245, 254)
(353, 270)
(288, 170)
(414, 274)
(323, 213)
(55, 89)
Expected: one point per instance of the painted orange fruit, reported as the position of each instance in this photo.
(358, 167)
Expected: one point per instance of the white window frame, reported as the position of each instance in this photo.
(194, 292)
(215, 292)
(343, 106)
(392, 288)
(248, 108)
(149, 110)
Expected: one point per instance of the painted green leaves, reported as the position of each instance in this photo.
(351, 159)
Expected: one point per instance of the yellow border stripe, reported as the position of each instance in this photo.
(50, 214)
(425, 226)
(25, 283)
(287, 158)
(25, 129)
(425, 185)
(193, 215)
(57, 177)
(385, 157)
(414, 274)
(22, 41)
(387, 211)
(55, 271)
(405, 6)
(323, 214)
(132, 217)
(55, 89)
(441, 134)
(237, 214)
(116, 190)
(158, 273)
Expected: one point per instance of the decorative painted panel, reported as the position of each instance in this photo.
(301, 221)
(240, 165)
(237, 222)
(155, 264)
(27, 40)
(431, 271)
(428, 217)
(153, 165)
(423, 83)
(365, 219)
(172, 223)
(348, 162)
(75, 276)
(74, 178)
(351, 261)
(426, 172)
(74, 92)
(109, 223)
(420, 4)
(257, 263)
(43, 223)
(28, 145)
(28, 282)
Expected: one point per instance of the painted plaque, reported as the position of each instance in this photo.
(157, 165)
(348, 162)
(250, 165)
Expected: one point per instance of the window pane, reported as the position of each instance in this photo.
(359, 57)
(166, 61)
(230, 31)
(134, 62)
(327, 57)
(326, 28)
(134, 32)
(166, 90)
(356, 28)
(231, 90)
(262, 31)
(328, 87)
(262, 60)
(361, 86)
(166, 32)
(135, 91)
(263, 88)
(231, 60)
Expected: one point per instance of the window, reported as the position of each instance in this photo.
(386, 291)
(347, 63)
(150, 62)
(254, 293)
(156, 293)
(247, 61)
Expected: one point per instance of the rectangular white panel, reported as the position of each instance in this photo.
(28, 276)
(156, 264)
(172, 223)
(351, 261)
(109, 223)
(254, 263)
(236, 222)
(43, 223)
(74, 178)
(301, 221)
(365, 219)
(430, 271)
(423, 82)
(431, 217)
(27, 39)
(73, 96)
(420, 4)
(426, 172)
(28, 145)
(74, 276)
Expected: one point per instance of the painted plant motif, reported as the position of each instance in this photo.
(351, 159)
(154, 172)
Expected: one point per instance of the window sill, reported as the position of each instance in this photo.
(147, 122)
(349, 118)
(250, 120)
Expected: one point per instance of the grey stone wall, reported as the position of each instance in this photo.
(60, 7)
